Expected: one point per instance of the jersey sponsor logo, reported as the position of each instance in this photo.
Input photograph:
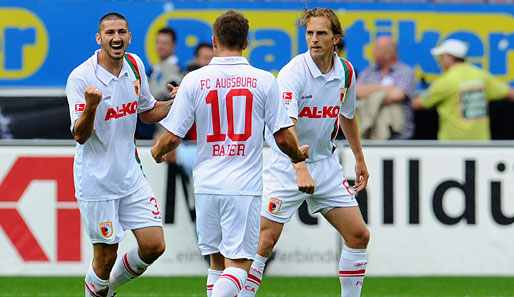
(342, 93)
(106, 229)
(274, 205)
(315, 113)
(222, 150)
(79, 107)
(121, 111)
(287, 95)
(137, 87)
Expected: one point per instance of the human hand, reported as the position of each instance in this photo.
(303, 153)
(304, 178)
(361, 176)
(93, 96)
(156, 154)
(173, 91)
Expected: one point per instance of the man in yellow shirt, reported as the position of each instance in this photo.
(461, 95)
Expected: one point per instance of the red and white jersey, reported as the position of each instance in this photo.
(106, 166)
(231, 103)
(316, 100)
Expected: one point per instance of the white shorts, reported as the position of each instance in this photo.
(281, 197)
(228, 224)
(106, 221)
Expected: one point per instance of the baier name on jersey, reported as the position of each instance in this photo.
(222, 150)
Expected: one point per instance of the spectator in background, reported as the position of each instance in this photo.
(386, 90)
(167, 71)
(461, 95)
(203, 55)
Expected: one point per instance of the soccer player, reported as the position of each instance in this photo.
(318, 89)
(106, 94)
(231, 103)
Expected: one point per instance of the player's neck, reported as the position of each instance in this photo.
(111, 65)
(229, 53)
(324, 64)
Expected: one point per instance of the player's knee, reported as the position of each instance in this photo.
(361, 238)
(150, 252)
(266, 243)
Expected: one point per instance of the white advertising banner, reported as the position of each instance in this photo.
(435, 210)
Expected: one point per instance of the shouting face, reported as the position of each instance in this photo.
(114, 37)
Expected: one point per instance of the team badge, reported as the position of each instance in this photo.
(137, 87)
(342, 94)
(106, 229)
(274, 205)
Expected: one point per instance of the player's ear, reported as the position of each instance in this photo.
(246, 44)
(214, 42)
(130, 38)
(98, 40)
(337, 37)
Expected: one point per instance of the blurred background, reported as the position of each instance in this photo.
(445, 207)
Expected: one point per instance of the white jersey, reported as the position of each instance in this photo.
(106, 166)
(315, 100)
(231, 103)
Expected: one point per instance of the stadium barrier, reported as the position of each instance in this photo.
(432, 208)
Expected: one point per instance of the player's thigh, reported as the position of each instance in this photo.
(101, 221)
(281, 197)
(240, 226)
(208, 227)
(140, 210)
(349, 223)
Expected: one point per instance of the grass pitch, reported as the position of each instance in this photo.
(271, 287)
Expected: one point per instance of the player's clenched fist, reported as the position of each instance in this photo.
(303, 153)
(93, 96)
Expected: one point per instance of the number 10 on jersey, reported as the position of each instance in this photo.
(213, 99)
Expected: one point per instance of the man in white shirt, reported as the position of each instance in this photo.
(231, 103)
(318, 89)
(106, 94)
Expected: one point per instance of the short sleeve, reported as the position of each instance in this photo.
(75, 88)
(182, 114)
(348, 106)
(290, 87)
(437, 92)
(146, 100)
(276, 116)
(495, 89)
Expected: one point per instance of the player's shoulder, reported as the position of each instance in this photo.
(83, 70)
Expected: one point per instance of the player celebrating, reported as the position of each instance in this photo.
(231, 103)
(318, 88)
(105, 95)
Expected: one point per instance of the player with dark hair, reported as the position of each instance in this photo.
(231, 103)
(318, 90)
(106, 94)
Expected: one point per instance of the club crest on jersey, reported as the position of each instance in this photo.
(106, 229)
(342, 94)
(274, 205)
(137, 87)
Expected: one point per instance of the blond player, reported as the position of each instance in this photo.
(106, 94)
(318, 89)
(231, 103)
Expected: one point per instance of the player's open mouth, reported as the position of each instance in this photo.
(117, 46)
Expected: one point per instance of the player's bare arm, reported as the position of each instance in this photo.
(288, 144)
(164, 145)
(84, 125)
(351, 132)
(157, 113)
(303, 177)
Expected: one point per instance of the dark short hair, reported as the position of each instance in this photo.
(231, 29)
(170, 32)
(111, 17)
(335, 25)
(202, 45)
